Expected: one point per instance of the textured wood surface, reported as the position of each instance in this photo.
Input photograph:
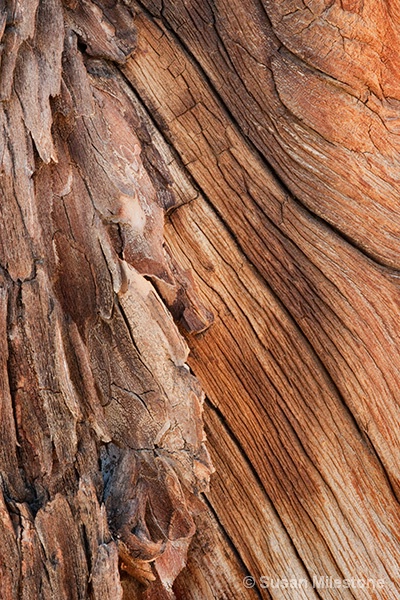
(290, 247)
(102, 454)
(232, 166)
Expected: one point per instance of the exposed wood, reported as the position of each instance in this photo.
(327, 285)
(325, 488)
(315, 86)
(231, 166)
(314, 415)
(213, 569)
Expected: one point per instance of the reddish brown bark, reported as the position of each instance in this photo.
(226, 161)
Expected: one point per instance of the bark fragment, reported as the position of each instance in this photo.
(91, 357)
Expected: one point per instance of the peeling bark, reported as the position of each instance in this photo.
(103, 453)
(165, 166)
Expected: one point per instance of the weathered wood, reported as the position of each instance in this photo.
(267, 132)
(213, 569)
(102, 454)
(315, 86)
(327, 285)
(325, 486)
(289, 400)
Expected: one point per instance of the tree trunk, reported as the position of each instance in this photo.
(232, 167)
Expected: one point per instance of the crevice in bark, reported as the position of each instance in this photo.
(258, 152)
(235, 551)
(256, 476)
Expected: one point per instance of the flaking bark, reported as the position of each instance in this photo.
(236, 161)
(102, 453)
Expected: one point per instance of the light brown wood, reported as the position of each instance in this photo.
(219, 178)
(327, 285)
(316, 416)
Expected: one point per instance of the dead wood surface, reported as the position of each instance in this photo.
(187, 159)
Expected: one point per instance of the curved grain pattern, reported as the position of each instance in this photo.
(316, 88)
(328, 286)
(302, 360)
(220, 162)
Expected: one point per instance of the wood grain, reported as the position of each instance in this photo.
(199, 198)
(297, 360)
(328, 286)
(316, 90)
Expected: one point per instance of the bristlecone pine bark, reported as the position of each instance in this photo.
(166, 164)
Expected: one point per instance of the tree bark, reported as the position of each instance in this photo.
(232, 167)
